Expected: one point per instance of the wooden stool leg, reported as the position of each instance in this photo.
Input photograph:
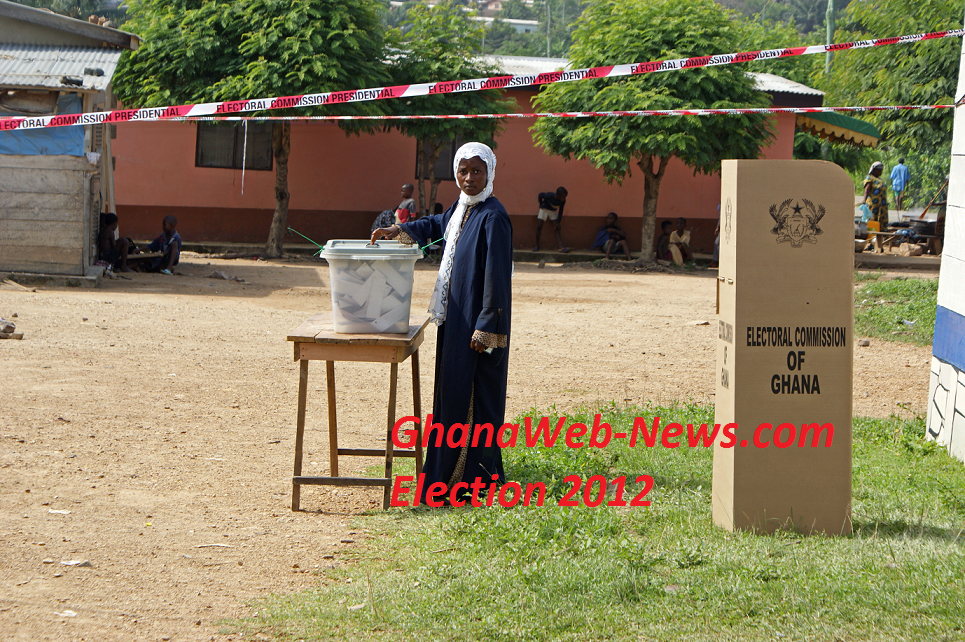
(389, 446)
(300, 429)
(417, 403)
(332, 420)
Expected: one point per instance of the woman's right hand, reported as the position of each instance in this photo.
(386, 233)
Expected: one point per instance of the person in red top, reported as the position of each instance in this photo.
(405, 212)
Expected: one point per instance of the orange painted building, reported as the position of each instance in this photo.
(339, 184)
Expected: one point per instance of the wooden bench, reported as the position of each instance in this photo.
(144, 255)
(890, 236)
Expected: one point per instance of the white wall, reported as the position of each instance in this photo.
(946, 407)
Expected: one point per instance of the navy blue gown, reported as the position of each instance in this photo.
(480, 300)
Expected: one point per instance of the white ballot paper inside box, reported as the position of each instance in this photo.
(371, 285)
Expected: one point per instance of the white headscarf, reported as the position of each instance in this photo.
(439, 303)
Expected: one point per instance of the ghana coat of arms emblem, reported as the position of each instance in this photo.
(797, 225)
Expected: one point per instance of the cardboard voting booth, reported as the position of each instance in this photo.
(784, 347)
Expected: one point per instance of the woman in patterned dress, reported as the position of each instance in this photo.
(876, 195)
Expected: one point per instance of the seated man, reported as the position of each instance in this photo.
(114, 251)
(611, 237)
(169, 244)
(663, 243)
(680, 243)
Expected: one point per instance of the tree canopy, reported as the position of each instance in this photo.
(923, 73)
(615, 31)
(805, 15)
(441, 43)
(212, 50)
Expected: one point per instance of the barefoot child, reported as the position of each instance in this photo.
(169, 244)
(680, 243)
(110, 250)
(611, 237)
(663, 242)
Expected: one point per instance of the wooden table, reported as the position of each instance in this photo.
(881, 239)
(316, 340)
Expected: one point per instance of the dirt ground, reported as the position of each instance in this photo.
(147, 428)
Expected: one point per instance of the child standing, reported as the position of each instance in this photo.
(551, 209)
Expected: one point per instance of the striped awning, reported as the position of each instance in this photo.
(840, 128)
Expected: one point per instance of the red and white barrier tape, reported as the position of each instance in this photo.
(447, 87)
(581, 114)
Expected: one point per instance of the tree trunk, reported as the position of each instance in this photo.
(433, 191)
(420, 172)
(433, 182)
(651, 190)
(280, 147)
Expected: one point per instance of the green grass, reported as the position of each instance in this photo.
(867, 275)
(902, 309)
(658, 573)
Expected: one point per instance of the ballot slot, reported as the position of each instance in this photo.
(371, 285)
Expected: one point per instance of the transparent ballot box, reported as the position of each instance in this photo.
(371, 285)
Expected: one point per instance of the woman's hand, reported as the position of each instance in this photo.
(478, 347)
(386, 233)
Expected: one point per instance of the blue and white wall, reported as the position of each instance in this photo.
(946, 407)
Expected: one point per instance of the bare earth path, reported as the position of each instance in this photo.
(159, 412)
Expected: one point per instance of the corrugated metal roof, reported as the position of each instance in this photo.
(776, 84)
(53, 22)
(520, 65)
(44, 66)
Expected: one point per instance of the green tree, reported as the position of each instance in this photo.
(617, 31)
(440, 44)
(913, 74)
(503, 39)
(394, 16)
(805, 15)
(518, 10)
(756, 35)
(214, 50)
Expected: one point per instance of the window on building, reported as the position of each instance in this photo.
(224, 146)
(446, 155)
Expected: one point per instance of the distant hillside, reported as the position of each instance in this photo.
(808, 15)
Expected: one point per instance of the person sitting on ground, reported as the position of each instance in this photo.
(169, 244)
(663, 243)
(611, 237)
(406, 211)
(114, 251)
(551, 209)
(385, 219)
(680, 243)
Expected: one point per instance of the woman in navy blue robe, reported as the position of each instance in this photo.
(471, 304)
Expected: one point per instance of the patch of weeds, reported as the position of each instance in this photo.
(862, 276)
(902, 309)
